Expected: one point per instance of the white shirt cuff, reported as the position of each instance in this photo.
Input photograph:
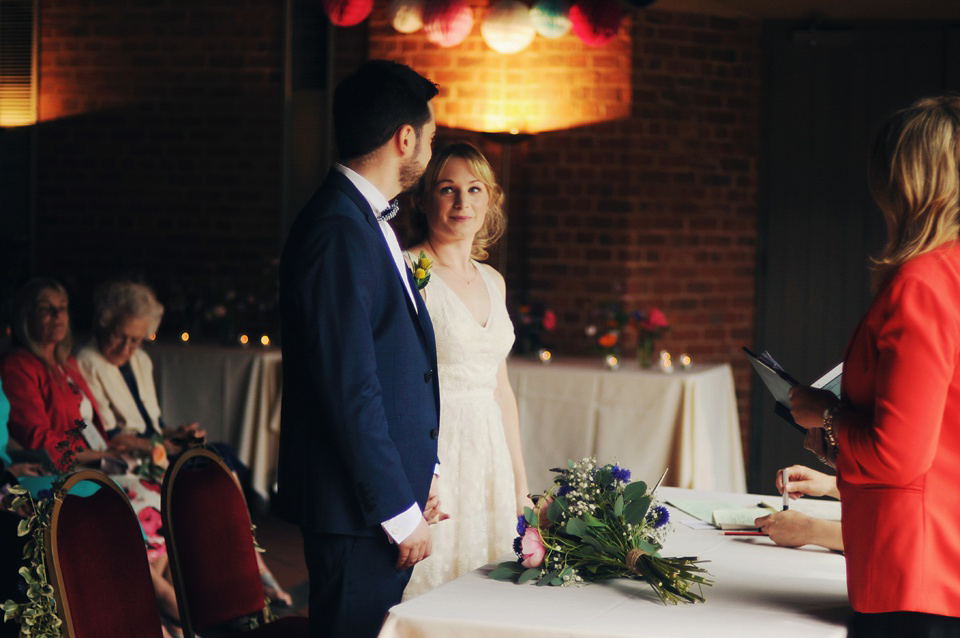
(402, 525)
(436, 470)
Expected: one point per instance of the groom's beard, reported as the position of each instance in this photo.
(411, 170)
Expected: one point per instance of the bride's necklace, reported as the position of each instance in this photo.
(458, 275)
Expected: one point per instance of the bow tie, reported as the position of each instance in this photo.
(389, 213)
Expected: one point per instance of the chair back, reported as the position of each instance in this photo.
(210, 543)
(98, 562)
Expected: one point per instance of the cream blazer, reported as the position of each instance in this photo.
(114, 399)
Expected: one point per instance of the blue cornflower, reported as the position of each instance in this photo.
(518, 546)
(564, 490)
(620, 474)
(44, 494)
(521, 525)
(659, 516)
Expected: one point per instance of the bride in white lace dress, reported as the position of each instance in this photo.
(482, 483)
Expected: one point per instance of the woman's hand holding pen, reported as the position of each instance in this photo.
(803, 480)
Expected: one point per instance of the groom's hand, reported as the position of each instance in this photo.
(415, 547)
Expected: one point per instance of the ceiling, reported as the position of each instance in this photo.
(823, 9)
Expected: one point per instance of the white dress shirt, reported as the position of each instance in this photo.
(402, 525)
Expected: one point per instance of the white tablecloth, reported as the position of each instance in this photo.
(233, 392)
(760, 590)
(643, 419)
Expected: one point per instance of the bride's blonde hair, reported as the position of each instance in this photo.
(494, 223)
(914, 176)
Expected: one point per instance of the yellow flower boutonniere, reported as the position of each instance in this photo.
(421, 271)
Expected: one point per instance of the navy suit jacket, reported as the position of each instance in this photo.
(361, 402)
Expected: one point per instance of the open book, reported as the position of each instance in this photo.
(779, 382)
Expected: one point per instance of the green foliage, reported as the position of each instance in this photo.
(38, 616)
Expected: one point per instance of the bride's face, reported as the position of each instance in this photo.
(458, 203)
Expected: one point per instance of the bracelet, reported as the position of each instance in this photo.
(828, 416)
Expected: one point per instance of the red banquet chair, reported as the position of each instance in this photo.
(212, 552)
(98, 564)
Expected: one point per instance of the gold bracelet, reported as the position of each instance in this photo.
(828, 416)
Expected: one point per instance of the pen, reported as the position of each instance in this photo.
(786, 494)
(745, 533)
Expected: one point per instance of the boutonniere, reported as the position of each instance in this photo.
(421, 271)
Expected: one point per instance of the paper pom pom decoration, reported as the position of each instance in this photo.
(447, 23)
(550, 17)
(507, 27)
(346, 13)
(596, 22)
(406, 16)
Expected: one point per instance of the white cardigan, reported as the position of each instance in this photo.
(118, 409)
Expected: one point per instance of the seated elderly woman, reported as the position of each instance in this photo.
(118, 372)
(120, 376)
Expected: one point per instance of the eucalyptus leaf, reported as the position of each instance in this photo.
(634, 490)
(529, 575)
(529, 517)
(635, 511)
(555, 511)
(618, 506)
(576, 527)
(502, 573)
(593, 521)
(548, 577)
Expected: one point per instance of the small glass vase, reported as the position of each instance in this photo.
(645, 351)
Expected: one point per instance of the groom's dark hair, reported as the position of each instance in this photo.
(374, 101)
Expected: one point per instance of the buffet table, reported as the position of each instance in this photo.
(645, 420)
(760, 590)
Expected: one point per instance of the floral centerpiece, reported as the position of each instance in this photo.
(650, 324)
(533, 320)
(594, 524)
(612, 322)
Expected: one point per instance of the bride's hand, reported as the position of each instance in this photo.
(523, 500)
(432, 512)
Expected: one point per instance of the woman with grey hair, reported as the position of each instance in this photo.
(119, 372)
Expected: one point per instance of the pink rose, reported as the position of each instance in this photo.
(150, 520)
(532, 548)
(549, 320)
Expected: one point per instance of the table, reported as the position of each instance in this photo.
(234, 392)
(645, 420)
(760, 590)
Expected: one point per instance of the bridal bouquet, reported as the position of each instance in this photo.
(594, 524)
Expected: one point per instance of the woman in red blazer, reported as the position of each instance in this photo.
(41, 379)
(896, 433)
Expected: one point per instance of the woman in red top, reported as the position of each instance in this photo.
(46, 391)
(896, 433)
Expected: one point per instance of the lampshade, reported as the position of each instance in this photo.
(406, 16)
(551, 18)
(447, 23)
(507, 27)
(346, 13)
(596, 22)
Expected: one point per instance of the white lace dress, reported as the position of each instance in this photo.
(476, 477)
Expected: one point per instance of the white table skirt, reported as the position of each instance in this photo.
(643, 419)
(760, 590)
(234, 392)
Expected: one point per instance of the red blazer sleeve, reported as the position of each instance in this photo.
(30, 416)
(916, 349)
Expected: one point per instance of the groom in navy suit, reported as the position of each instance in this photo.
(360, 419)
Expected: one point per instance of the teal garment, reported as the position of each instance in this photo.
(4, 432)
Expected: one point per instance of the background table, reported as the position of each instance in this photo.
(643, 419)
(233, 392)
(760, 590)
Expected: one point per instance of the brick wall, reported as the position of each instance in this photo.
(654, 203)
(159, 148)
